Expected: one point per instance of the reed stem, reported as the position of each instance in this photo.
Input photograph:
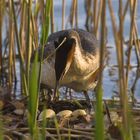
(118, 36)
(1, 19)
(99, 132)
(95, 5)
(11, 44)
(130, 39)
(29, 42)
(52, 17)
(63, 14)
(19, 49)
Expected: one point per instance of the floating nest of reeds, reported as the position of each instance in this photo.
(65, 119)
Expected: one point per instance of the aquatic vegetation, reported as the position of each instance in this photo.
(25, 25)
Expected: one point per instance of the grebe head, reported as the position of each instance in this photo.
(64, 54)
(63, 57)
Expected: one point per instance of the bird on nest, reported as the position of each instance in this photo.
(70, 59)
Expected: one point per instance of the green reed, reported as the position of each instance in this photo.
(33, 96)
(45, 30)
(52, 17)
(99, 132)
(30, 75)
(1, 127)
(46, 22)
(34, 82)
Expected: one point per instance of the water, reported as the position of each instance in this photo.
(110, 78)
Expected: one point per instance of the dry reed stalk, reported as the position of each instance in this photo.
(87, 5)
(137, 46)
(137, 43)
(133, 87)
(22, 41)
(34, 26)
(11, 46)
(34, 33)
(63, 14)
(72, 14)
(17, 37)
(135, 33)
(14, 65)
(76, 14)
(133, 7)
(29, 40)
(1, 20)
(117, 42)
(95, 6)
(120, 48)
(127, 122)
(102, 43)
(36, 10)
(98, 19)
(125, 9)
(18, 41)
(118, 36)
(22, 28)
(41, 3)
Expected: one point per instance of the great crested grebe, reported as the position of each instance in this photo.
(75, 63)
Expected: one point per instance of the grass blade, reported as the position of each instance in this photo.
(33, 95)
(45, 26)
(99, 133)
